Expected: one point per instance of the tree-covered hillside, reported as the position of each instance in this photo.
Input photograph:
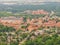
(19, 8)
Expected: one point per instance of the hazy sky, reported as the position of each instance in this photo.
(32, 0)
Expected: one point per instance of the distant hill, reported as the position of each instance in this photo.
(55, 6)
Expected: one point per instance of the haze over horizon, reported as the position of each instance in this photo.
(10, 2)
(29, 1)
